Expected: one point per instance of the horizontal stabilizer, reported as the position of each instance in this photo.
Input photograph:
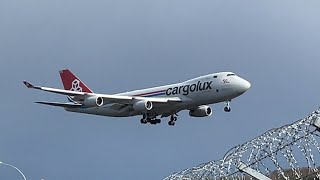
(67, 105)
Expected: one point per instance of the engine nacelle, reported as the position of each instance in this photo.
(142, 106)
(93, 101)
(201, 111)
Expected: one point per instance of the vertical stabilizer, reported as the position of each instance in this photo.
(72, 82)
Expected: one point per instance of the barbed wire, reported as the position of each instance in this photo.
(289, 152)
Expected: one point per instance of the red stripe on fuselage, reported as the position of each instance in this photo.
(150, 93)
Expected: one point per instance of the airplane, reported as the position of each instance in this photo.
(194, 95)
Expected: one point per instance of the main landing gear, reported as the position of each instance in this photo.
(173, 120)
(152, 120)
(227, 108)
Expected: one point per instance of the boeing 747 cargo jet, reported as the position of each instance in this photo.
(194, 95)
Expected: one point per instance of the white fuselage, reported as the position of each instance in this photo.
(203, 90)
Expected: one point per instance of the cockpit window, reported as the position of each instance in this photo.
(230, 74)
(215, 76)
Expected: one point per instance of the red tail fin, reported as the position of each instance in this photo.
(72, 82)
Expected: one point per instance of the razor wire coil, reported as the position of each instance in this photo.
(289, 152)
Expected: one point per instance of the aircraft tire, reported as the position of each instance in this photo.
(171, 123)
(153, 122)
(143, 121)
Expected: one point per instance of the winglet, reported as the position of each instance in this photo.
(29, 85)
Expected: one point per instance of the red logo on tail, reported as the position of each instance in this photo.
(76, 86)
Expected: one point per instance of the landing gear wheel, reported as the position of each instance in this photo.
(143, 121)
(155, 121)
(171, 123)
(227, 109)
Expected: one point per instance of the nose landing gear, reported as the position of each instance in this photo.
(227, 108)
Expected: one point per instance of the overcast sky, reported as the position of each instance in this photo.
(121, 45)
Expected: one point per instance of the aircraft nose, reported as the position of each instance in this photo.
(244, 85)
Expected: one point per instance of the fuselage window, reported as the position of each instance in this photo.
(215, 76)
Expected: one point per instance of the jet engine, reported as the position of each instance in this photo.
(201, 111)
(142, 106)
(93, 101)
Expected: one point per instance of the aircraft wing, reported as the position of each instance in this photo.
(108, 98)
